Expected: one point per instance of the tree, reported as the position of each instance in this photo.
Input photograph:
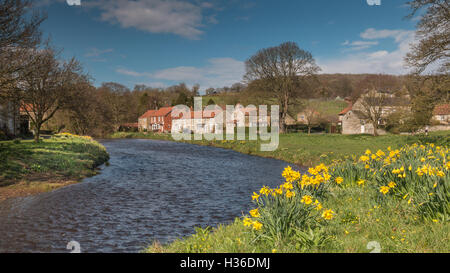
(182, 99)
(45, 85)
(434, 35)
(312, 117)
(372, 104)
(210, 91)
(113, 96)
(19, 32)
(281, 70)
(425, 93)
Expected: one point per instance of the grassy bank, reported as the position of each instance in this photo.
(309, 150)
(27, 167)
(387, 200)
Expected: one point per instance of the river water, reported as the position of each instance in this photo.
(152, 190)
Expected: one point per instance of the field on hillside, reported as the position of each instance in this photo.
(325, 107)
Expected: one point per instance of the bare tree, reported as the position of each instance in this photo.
(19, 31)
(46, 84)
(373, 106)
(434, 35)
(312, 117)
(281, 71)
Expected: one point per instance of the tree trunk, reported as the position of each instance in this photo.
(375, 129)
(37, 129)
(37, 133)
(309, 130)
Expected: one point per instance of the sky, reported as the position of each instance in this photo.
(164, 42)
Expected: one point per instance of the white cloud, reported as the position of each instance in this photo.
(156, 16)
(218, 72)
(398, 35)
(359, 45)
(380, 61)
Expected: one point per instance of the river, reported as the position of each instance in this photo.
(152, 190)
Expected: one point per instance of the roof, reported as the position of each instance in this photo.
(26, 107)
(359, 114)
(348, 108)
(162, 112)
(443, 109)
(147, 114)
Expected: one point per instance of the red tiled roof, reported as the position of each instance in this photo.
(162, 112)
(348, 108)
(147, 114)
(25, 107)
(443, 109)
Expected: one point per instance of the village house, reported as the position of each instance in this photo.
(441, 114)
(8, 119)
(353, 119)
(197, 122)
(13, 120)
(156, 120)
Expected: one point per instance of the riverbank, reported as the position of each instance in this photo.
(29, 168)
(310, 150)
(387, 200)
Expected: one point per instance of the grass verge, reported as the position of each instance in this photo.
(309, 150)
(395, 201)
(27, 167)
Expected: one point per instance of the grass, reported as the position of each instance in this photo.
(359, 221)
(26, 166)
(360, 218)
(363, 217)
(309, 150)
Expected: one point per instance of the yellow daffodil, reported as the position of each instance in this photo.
(255, 213)
(306, 199)
(384, 189)
(328, 214)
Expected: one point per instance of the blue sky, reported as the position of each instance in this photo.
(164, 42)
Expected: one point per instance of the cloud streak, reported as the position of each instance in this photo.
(218, 72)
(156, 16)
(379, 61)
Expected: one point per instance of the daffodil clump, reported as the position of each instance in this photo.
(293, 206)
(69, 135)
(416, 174)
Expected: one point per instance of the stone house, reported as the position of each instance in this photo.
(441, 114)
(144, 121)
(353, 119)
